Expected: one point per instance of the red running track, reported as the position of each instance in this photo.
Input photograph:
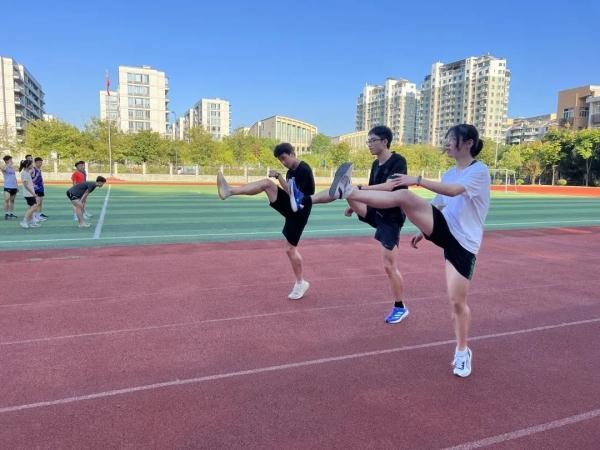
(196, 346)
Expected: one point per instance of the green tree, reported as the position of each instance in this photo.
(339, 154)
(42, 138)
(320, 145)
(145, 146)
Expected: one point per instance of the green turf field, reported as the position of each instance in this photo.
(166, 214)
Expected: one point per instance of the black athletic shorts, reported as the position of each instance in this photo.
(30, 201)
(387, 228)
(294, 221)
(39, 193)
(11, 191)
(72, 197)
(462, 259)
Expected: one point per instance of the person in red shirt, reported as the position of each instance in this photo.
(77, 177)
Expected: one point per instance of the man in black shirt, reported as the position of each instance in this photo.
(300, 175)
(387, 222)
(78, 194)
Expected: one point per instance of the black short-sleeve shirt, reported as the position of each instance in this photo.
(304, 178)
(380, 174)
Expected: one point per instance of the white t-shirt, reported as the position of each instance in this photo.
(466, 213)
(27, 181)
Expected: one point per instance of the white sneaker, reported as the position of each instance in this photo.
(223, 187)
(342, 183)
(34, 224)
(24, 224)
(84, 225)
(462, 363)
(87, 215)
(299, 290)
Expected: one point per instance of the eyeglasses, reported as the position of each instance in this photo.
(370, 141)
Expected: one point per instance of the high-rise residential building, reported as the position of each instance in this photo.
(573, 109)
(212, 114)
(285, 129)
(473, 90)
(394, 104)
(141, 101)
(21, 99)
(528, 129)
(594, 111)
(356, 140)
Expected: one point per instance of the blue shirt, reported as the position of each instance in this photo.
(38, 180)
(10, 178)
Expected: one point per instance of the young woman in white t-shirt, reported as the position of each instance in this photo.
(26, 168)
(454, 220)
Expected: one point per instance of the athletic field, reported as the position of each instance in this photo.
(133, 215)
(189, 340)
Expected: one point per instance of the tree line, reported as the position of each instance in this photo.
(562, 156)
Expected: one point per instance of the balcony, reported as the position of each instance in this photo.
(564, 121)
(595, 118)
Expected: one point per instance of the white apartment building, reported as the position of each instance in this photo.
(394, 104)
(141, 100)
(473, 90)
(212, 114)
(21, 99)
(528, 129)
(285, 129)
(357, 140)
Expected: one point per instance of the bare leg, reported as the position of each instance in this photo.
(357, 207)
(29, 213)
(392, 272)
(78, 211)
(321, 197)
(11, 203)
(295, 259)
(416, 208)
(6, 203)
(256, 187)
(458, 286)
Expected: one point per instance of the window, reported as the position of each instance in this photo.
(567, 113)
(584, 111)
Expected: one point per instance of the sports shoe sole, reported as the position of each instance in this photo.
(392, 322)
(293, 202)
(341, 171)
(222, 186)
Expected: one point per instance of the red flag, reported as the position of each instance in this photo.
(107, 84)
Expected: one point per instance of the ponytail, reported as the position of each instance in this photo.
(25, 163)
(464, 132)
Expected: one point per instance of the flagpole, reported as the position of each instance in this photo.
(110, 165)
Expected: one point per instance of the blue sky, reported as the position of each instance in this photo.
(307, 59)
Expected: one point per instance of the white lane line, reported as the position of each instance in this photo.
(527, 431)
(98, 229)
(367, 231)
(311, 362)
(234, 318)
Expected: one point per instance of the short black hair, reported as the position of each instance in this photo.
(79, 162)
(6, 158)
(28, 156)
(282, 148)
(37, 159)
(383, 132)
(465, 132)
(100, 179)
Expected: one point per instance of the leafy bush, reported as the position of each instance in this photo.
(562, 182)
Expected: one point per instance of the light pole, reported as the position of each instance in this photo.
(173, 137)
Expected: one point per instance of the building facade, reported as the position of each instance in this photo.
(21, 99)
(594, 111)
(528, 129)
(212, 114)
(394, 104)
(573, 109)
(473, 90)
(285, 129)
(141, 101)
(356, 140)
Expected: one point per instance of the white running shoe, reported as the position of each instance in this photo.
(34, 224)
(24, 224)
(84, 225)
(223, 187)
(87, 215)
(299, 290)
(462, 363)
(342, 182)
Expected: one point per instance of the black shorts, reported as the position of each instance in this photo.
(462, 259)
(294, 221)
(11, 191)
(39, 193)
(72, 197)
(388, 227)
(30, 201)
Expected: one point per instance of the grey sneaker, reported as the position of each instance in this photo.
(223, 187)
(342, 183)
